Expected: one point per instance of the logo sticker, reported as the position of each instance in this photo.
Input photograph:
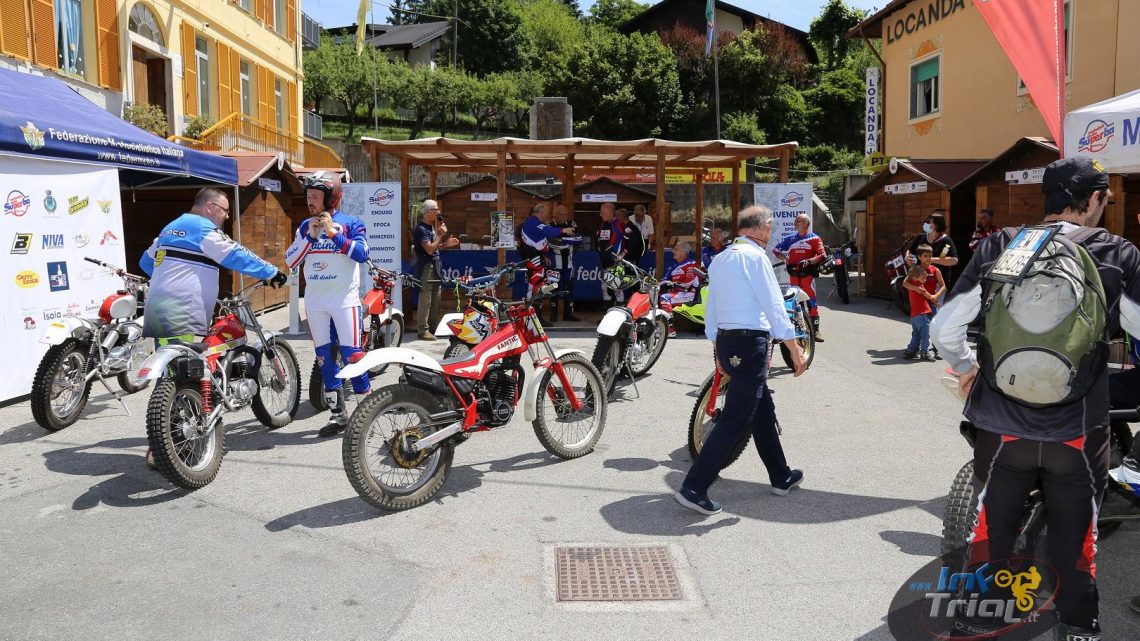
(49, 203)
(104, 206)
(1097, 135)
(319, 265)
(16, 203)
(381, 198)
(53, 241)
(792, 199)
(57, 276)
(159, 256)
(27, 279)
(29, 322)
(21, 243)
(82, 239)
(33, 136)
(75, 204)
(109, 238)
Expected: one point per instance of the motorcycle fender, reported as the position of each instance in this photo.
(389, 314)
(155, 365)
(530, 395)
(443, 329)
(388, 355)
(612, 321)
(654, 313)
(802, 296)
(254, 341)
(62, 329)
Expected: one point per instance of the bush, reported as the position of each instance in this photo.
(195, 125)
(149, 117)
(742, 127)
(826, 158)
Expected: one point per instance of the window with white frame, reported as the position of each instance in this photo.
(925, 87)
(202, 62)
(69, 40)
(279, 16)
(246, 89)
(143, 22)
(279, 102)
(1021, 88)
(247, 5)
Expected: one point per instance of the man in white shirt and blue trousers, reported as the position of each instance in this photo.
(744, 311)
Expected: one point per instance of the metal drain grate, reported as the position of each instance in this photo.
(624, 573)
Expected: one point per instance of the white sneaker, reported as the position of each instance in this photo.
(1127, 475)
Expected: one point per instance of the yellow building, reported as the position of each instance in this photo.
(238, 62)
(950, 92)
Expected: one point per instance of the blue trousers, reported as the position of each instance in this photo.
(919, 333)
(748, 408)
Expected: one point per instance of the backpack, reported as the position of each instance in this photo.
(1044, 339)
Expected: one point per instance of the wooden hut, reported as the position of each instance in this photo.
(468, 209)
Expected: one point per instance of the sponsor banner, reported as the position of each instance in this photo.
(1108, 131)
(1025, 176)
(915, 187)
(484, 196)
(599, 198)
(54, 214)
(714, 175)
(378, 206)
(786, 200)
(503, 226)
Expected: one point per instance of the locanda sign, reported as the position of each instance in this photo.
(923, 15)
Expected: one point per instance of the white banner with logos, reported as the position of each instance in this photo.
(786, 200)
(378, 206)
(54, 214)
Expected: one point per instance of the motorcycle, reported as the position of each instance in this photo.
(401, 440)
(239, 364)
(631, 337)
(796, 304)
(385, 326)
(896, 273)
(837, 264)
(482, 315)
(706, 412)
(83, 350)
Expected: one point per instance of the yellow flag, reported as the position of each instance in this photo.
(360, 15)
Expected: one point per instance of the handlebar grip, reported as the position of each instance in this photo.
(92, 260)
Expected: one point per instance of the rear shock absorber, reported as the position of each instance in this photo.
(205, 388)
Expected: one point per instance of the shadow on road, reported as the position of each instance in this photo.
(890, 357)
(133, 486)
(913, 543)
(342, 512)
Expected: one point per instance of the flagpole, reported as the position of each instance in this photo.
(716, 86)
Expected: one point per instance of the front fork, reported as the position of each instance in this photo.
(576, 403)
(710, 407)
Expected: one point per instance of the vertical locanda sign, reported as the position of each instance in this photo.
(871, 141)
(378, 206)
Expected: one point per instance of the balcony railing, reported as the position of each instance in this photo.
(310, 32)
(239, 132)
(314, 126)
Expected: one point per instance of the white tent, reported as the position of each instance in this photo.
(1108, 131)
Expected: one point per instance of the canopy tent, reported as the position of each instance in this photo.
(44, 118)
(1108, 131)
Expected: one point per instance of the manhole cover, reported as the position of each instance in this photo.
(625, 573)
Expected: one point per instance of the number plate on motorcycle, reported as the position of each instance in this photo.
(621, 573)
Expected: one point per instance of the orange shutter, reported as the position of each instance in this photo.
(261, 9)
(291, 108)
(291, 17)
(107, 43)
(189, 71)
(43, 33)
(225, 81)
(264, 84)
(14, 29)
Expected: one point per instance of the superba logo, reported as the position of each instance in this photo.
(1096, 137)
(792, 199)
(381, 197)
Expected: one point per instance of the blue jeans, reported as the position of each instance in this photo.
(920, 332)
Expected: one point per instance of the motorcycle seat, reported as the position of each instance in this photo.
(789, 293)
(197, 347)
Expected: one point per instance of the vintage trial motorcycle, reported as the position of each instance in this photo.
(400, 441)
(83, 350)
(385, 327)
(631, 337)
(896, 273)
(482, 315)
(239, 364)
(837, 264)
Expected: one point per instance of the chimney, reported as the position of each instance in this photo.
(551, 118)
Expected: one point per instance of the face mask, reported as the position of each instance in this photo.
(927, 227)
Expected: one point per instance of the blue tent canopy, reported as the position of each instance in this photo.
(42, 117)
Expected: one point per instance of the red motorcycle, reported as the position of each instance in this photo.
(400, 441)
(896, 273)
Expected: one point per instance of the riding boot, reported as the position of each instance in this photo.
(338, 417)
(815, 329)
(569, 309)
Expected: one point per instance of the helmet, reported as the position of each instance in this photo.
(329, 183)
(617, 277)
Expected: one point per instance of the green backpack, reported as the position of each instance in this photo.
(1044, 338)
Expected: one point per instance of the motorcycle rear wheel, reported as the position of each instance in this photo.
(59, 392)
(139, 353)
(187, 459)
(807, 343)
(283, 408)
(654, 343)
(607, 360)
(701, 424)
(961, 511)
(553, 409)
(372, 431)
(455, 348)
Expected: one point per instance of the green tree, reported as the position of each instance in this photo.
(829, 32)
(528, 85)
(784, 114)
(615, 13)
(836, 109)
(553, 37)
(742, 127)
(318, 74)
(490, 33)
(413, 91)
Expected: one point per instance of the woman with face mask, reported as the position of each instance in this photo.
(934, 234)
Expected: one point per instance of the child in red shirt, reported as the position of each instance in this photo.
(925, 284)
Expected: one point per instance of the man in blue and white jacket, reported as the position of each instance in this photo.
(332, 245)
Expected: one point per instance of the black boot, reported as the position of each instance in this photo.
(815, 329)
(569, 315)
(1065, 632)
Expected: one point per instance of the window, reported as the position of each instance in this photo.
(280, 16)
(247, 5)
(1021, 88)
(202, 60)
(279, 102)
(925, 87)
(143, 22)
(69, 37)
(246, 90)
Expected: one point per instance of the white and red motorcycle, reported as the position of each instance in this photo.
(84, 350)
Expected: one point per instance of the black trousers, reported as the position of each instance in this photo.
(748, 408)
(1072, 476)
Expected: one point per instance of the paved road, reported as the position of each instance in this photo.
(96, 546)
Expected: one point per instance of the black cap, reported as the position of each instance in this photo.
(1067, 177)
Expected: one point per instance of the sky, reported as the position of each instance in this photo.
(795, 13)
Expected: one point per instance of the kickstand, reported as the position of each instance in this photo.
(116, 395)
(629, 369)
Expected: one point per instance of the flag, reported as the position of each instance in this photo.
(361, 13)
(1032, 34)
(710, 21)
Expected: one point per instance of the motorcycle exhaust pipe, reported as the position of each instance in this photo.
(436, 437)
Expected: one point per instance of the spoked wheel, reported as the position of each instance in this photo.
(455, 348)
(59, 391)
(607, 361)
(278, 387)
(565, 432)
(377, 450)
(805, 338)
(651, 337)
(317, 384)
(701, 423)
(962, 510)
(139, 353)
(388, 334)
(185, 454)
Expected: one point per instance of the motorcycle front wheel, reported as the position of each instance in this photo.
(701, 424)
(805, 334)
(183, 454)
(607, 361)
(377, 455)
(564, 432)
(141, 349)
(59, 391)
(455, 348)
(277, 401)
(652, 335)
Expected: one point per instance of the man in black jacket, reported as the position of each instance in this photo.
(1062, 447)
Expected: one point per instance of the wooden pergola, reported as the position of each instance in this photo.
(571, 157)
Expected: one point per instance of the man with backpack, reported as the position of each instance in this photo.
(1049, 296)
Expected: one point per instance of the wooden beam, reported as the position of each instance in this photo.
(374, 162)
(431, 184)
(735, 208)
(661, 223)
(1114, 212)
(568, 181)
(785, 165)
(699, 216)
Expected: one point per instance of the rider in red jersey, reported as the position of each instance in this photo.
(804, 252)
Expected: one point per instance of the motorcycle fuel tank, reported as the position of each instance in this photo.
(117, 306)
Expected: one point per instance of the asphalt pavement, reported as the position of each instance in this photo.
(94, 545)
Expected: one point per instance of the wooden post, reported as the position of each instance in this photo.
(735, 207)
(661, 209)
(945, 199)
(699, 216)
(1114, 212)
(785, 164)
(981, 199)
(406, 217)
(431, 184)
(568, 186)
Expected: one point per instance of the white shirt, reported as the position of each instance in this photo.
(744, 293)
(645, 227)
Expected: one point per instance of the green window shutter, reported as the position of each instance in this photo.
(925, 70)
